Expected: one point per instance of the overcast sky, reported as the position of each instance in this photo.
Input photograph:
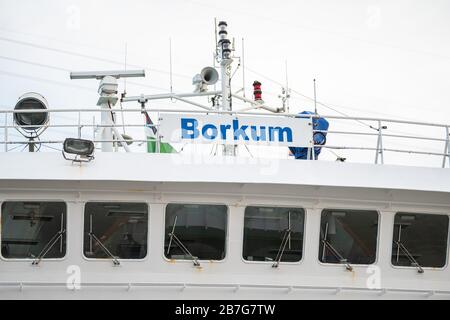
(374, 58)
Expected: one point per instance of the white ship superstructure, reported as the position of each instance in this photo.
(101, 221)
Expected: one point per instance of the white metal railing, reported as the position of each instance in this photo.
(379, 130)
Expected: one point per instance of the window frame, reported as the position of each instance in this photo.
(67, 232)
(106, 260)
(412, 267)
(227, 233)
(272, 262)
(377, 247)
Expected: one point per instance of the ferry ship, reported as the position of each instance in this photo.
(99, 221)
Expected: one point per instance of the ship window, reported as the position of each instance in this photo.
(195, 232)
(420, 239)
(114, 230)
(348, 237)
(273, 234)
(33, 230)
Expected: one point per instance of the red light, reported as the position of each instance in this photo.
(257, 91)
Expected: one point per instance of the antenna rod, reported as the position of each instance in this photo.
(243, 67)
(171, 74)
(315, 97)
(287, 89)
(125, 79)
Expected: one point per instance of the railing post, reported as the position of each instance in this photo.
(93, 132)
(380, 152)
(158, 136)
(313, 149)
(79, 125)
(6, 132)
(311, 145)
(447, 148)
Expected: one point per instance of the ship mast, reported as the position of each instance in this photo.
(224, 57)
(209, 77)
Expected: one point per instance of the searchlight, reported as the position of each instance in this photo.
(82, 149)
(31, 124)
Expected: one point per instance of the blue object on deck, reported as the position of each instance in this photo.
(320, 138)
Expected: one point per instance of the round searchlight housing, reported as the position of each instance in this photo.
(33, 121)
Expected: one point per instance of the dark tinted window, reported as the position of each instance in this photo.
(423, 237)
(348, 236)
(264, 231)
(118, 228)
(200, 229)
(33, 230)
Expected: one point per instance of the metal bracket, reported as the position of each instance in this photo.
(78, 159)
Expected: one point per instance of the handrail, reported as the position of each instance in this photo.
(287, 115)
(380, 127)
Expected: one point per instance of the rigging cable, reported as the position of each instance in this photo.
(67, 70)
(312, 99)
(81, 55)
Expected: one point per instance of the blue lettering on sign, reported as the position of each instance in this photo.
(213, 132)
(190, 131)
(223, 131)
(281, 134)
(262, 135)
(239, 131)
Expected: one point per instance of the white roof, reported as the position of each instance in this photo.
(132, 167)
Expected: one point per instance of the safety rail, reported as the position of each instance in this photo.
(378, 129)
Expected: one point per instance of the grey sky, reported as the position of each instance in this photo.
(371, 58)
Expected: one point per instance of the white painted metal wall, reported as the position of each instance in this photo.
(233, 278)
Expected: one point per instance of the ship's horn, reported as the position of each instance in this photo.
(210, 76)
